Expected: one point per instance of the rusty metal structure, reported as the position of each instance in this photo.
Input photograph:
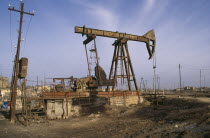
(23, 66)
(65, 94)
(121, 54)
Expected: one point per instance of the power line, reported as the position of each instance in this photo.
(10, 33)
(26, 33)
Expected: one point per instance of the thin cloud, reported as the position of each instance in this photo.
(149, 5)
(102, 16)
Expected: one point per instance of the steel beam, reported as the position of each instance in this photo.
(89, 31)
(148, 38)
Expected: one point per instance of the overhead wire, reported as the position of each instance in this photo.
(26, 34)
(154, 78)
(10, 33)
(12, 81)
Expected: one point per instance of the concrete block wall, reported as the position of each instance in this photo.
(4, 82)
(56, 109)
(125, 101)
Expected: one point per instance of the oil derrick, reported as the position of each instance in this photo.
(93, 60)
(17, 68)
(95, 68)
(121, 55)
(99, 72)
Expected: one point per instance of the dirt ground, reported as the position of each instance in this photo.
(173, 117)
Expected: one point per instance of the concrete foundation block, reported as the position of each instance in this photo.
(125, 101)
(63, 109)
(59, 109)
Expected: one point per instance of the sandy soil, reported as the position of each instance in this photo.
(173, 117)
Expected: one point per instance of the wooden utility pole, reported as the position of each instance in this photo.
(180, 80)
(37, 81)
(2, 81)
(204, 82)
(16, 62)
(37, 84)
(158, 82)
(200, 80)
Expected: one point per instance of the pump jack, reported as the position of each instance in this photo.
(120, 53)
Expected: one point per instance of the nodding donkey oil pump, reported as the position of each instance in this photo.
(121, 54)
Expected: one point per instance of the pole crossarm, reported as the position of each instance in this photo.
(13, 9)
(148, 38)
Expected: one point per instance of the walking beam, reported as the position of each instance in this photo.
(148, 38)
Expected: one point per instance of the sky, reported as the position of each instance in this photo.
(54, 50)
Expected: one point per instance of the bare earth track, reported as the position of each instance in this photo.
(174, 117)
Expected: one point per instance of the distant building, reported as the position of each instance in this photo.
(5, 94)
(188, 88)
(4, 82)
(178, 89)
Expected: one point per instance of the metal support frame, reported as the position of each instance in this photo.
(121, 53)
(85, 42)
